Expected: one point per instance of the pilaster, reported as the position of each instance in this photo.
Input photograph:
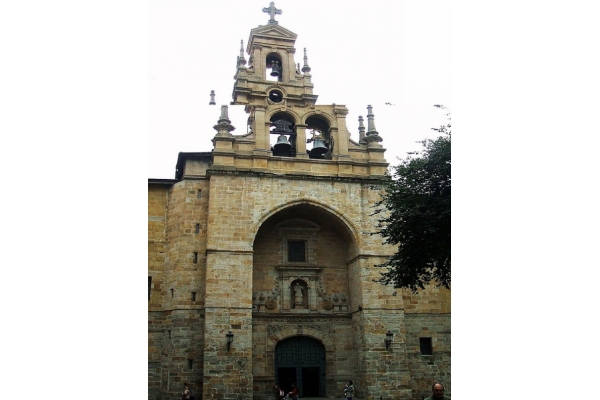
(291, 65)
(260, 128)
(259, 63)
(301, 141)
(381, 372)
(228, 372)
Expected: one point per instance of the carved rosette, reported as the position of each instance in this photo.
(327, 304)
(270, 304)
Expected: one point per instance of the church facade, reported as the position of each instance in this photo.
(261, 258)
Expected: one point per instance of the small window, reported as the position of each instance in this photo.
(190, 363)
(197, 228)
(426, 348)
(296, 251)
(199, 193)
(149, 286)
(193, 296)
(195, 257)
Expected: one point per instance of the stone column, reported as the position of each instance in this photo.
(301, 141)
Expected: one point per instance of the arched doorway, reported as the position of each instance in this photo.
(301, 360)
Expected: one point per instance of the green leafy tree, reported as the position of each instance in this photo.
(414, 214)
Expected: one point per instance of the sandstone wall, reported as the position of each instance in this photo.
(175, 319)
(235, 254)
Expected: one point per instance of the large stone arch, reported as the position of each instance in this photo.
(351, 228)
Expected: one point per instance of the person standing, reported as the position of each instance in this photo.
(438, 392)
(349, 390)
(279, 393)
(294, 392)
(187, 394)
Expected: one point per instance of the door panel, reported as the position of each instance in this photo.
(301, 360)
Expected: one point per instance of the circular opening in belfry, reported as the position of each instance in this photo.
(275, 96)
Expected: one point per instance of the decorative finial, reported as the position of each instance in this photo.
(272, 11)
(241, 60)
(212, 98)
(371, 122)
(224, 126)
(372, 134)
(305, 68)
(361, 130)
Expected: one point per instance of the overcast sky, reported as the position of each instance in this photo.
(360, 53)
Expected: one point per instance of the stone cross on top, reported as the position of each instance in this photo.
(272, 11)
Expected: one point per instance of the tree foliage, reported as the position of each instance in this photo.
(414, 214)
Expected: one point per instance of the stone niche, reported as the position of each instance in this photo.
(299, 285)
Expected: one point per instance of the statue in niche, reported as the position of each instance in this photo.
(298, 294)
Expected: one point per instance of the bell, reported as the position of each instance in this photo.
(275, 69)
(319, 147)
(282, 144)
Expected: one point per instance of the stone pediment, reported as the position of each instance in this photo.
(273, 31)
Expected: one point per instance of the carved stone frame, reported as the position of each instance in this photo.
(302, 231)
(309, 276)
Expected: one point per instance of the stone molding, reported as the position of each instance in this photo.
(288, 331)
(352, 228)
